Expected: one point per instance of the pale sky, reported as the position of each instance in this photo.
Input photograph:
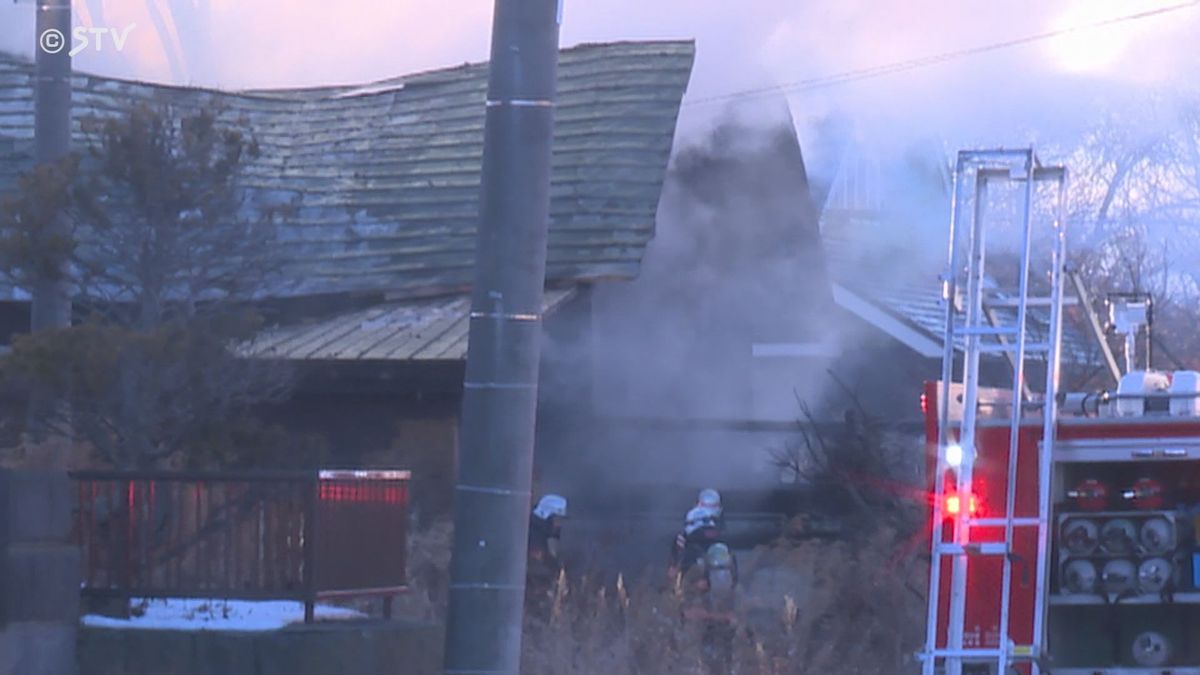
(1006, 96)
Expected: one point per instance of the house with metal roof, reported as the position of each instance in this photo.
(885, 245)
(382, 184)
(383, 179)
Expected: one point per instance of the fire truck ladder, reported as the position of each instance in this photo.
(973, 328)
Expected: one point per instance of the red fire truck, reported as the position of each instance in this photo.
(1062, 534)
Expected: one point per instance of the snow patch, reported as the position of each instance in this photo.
(217, 615)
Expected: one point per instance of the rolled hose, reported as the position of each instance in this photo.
(1152, 649)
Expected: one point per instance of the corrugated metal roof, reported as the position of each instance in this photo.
(385, 176)
(903, 280)
(430, 329)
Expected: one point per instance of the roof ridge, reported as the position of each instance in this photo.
(274, 93)
(424, 76)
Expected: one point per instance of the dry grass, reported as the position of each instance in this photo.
(813, 607)
(428, 573)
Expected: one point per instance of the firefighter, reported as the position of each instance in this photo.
(709, 587)
(545, 530)
(701, 529)
(544, 565)
(702, 526)
(714, 577)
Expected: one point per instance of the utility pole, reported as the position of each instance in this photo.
(495, 463)
(51, 305)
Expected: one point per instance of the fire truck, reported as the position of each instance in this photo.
(1062, 532)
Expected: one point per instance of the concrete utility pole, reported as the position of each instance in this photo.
(51, 306)
(492, 498)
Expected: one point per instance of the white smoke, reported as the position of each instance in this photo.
(1046, 91)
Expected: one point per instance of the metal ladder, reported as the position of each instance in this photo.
(972, 323)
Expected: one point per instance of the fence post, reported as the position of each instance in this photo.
(125, 546)
(310, 547)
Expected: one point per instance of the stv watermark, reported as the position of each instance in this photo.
(52, 41)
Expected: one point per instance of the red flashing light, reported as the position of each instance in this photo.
(924, 404)
(953, 505)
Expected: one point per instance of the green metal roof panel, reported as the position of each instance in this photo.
(910, 291)
(419, 329)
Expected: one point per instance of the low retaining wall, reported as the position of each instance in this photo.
(39, 575)
(333, 648)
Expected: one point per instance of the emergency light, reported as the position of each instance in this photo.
(954, 505)
(954, 455)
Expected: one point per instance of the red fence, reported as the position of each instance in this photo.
(239, 535)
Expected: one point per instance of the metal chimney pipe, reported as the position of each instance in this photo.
(492, 497)
(51, 304)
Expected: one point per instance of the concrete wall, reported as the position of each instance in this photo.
(349, 648)
(39, 575)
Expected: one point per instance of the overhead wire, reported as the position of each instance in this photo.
(885, 69)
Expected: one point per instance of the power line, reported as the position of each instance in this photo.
(934, 59)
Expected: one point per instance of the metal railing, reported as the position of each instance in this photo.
(296, 535)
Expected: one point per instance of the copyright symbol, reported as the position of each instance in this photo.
(52, 41)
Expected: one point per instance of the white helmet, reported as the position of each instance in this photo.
(700, 517)
(551, 505)
(709, 498)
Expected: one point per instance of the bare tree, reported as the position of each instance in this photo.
(856, 469)
(165, 230)
(168, 256)
(1136, 217)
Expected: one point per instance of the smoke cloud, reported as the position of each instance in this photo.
(736, 261)
(1033, 91)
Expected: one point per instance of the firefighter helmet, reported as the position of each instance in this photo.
(709, 498)
(551, 505)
